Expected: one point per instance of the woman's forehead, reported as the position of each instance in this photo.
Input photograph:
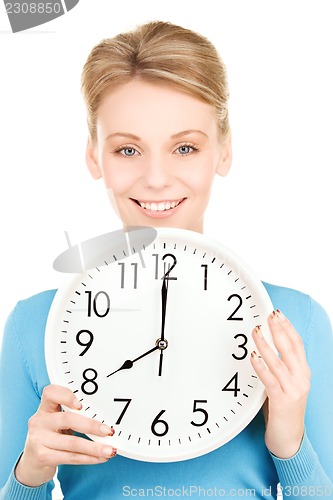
(138, 107)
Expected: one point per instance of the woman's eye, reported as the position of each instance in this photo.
(186, 149)
(128, 151)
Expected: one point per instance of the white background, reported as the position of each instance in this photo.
(275, 207)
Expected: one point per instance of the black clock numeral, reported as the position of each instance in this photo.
(121, 400)
(167, 272)
(205, 266)
(98, 305)
(89, 382)
(201, 410)
(87, 344)
(122, 274)
(232, 385)
(232, 315)
(241, 346)
(159, 422)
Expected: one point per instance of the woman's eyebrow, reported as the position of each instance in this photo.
(123, 134)
(187, 132)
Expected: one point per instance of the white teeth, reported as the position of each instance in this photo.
(159, 207)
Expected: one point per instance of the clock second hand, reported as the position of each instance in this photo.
(129, 363)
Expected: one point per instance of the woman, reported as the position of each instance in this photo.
(157, 102)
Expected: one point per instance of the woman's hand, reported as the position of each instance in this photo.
(50, 441)
(287, 382)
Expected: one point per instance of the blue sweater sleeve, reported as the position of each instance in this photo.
(309, 473)
(19, 400)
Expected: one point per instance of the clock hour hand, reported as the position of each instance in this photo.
(164, 295)
(129, 363)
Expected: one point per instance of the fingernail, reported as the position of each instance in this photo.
(109, 452)
(254, 356)
(280, 315)
(105, 429)
(259, 332)
(274, 317)
(77, 404)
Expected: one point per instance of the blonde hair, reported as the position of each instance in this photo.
(160, 53)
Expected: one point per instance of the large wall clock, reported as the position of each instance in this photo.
(158, 345)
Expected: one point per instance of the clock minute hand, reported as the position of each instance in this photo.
(129, 363)
(164, 295)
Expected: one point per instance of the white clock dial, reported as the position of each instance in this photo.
(173, 387)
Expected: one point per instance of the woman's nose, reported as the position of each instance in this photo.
(157, 172)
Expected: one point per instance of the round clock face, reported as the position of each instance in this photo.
(158, 345)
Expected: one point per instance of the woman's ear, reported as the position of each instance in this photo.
(91, 160)
(225, 160)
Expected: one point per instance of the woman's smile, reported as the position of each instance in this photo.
(158, 208)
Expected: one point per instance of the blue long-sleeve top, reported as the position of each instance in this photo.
(241, 468)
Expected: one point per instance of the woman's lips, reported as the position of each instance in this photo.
(158, 209)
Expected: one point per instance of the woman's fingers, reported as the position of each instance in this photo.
(51, 441)
(57, 422)
(54, 395)
(288, 342)
(286, 377)
(73, 445)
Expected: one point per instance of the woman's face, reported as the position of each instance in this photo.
(158, 151)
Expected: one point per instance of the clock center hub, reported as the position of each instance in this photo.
(161, 344)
